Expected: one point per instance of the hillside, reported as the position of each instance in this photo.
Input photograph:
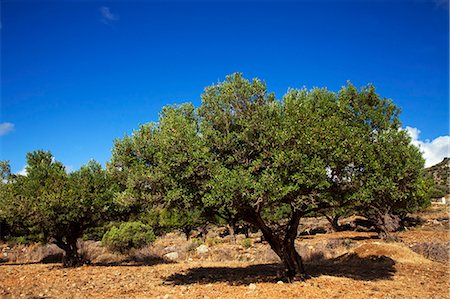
(440, 174)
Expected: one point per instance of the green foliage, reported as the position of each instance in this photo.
(184, 220)
(244, 155)
(57, 205)
(440, 175)
(128, 235)
(163, 168)
(246, 243)
(5, 171)
(21, 240)
(211, 241)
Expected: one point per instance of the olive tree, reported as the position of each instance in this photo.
(265, 161)
(392, 170)
(58, 205)
(162, 168)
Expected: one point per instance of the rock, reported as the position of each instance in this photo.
(173, 256)
(202, 249)
(252, 287)
(170, 249)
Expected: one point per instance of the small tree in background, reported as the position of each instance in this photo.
(5, 181)
(58, 205)
(183, 220)
(129, 235)
(396, 183)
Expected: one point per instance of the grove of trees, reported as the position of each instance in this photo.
(243, 155)
(55, 206)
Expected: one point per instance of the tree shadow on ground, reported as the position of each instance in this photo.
(361, 238)
(348, 265)
(131, 261)
(137, 261)
(49, 259)
(7, 263)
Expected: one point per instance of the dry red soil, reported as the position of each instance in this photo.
(369, 268)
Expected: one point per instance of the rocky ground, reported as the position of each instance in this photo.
(341, 265)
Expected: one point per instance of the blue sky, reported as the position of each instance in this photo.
(75, 75)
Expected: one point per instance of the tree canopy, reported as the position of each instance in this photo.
(57, 205)
(243, 155)
(270, 162)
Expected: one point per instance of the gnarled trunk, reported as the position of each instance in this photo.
(292, 262)
(187, 232)
(283, 246)
(334, 222)
(71, 257)
(385, 223)
(203, 231)
(231, 226)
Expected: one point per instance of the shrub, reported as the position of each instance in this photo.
(22, 240)
(434, 251)
(246, 243)
(94, 234)
(128, 235)
(336, 243)
(213, 241)
(197, 242)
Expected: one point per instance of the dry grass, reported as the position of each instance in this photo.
(34, 253)
(396, 251)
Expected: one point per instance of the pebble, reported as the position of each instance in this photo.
(202, 249)
(173, 256)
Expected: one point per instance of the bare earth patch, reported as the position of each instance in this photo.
(341, 265)
(215, 280)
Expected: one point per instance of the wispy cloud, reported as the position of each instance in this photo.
(434, 151)
(6, 128)
(69, 168)
(23, 171)
(107, 16)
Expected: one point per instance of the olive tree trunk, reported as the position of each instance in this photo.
(334, 222)
(187, 232)
(71, 257)
(283, 244)
(385, 223)
(231, 226)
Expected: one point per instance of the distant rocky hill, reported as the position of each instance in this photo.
(440, 174)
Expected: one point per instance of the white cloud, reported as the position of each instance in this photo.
(69, 168)
(5, 128)
(23, 171)
(433, 151)
(107, 16)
